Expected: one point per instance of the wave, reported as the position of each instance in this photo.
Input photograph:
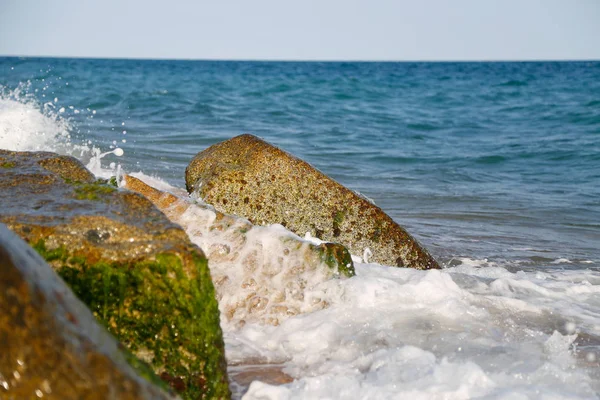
(513, 83)
(495, 159)
(25, 126)
(462, 332)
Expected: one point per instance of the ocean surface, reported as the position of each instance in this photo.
(494, 167)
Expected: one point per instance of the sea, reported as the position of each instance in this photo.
(493, 166)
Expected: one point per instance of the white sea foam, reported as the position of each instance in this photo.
(159, 183)
(23, 127)
(95, 163)
(399, 333)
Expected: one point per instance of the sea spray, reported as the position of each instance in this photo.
(25, 125)
(24, 128)
(95, 164)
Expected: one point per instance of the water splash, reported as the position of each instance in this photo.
(95, 164)
(27, 125)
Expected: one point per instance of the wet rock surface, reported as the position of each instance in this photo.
(138, 272)
(244, 374)
(264, 274)
(50, 344)
(247, 176)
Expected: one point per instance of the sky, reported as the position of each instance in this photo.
(430, 30)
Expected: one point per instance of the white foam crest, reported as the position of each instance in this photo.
(403, 373)
(409, 372)
(23, 127)
(458, 333)
(264, 274)
(159, 183)
(565, 295)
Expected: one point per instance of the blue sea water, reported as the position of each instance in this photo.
(491, 165)
(494, 160)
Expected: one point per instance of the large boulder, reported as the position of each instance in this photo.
(137, 271)
(247, 176)
(50, 344)
(261, 274)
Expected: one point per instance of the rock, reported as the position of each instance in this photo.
(50, 344)
(138, 272)
(261, 274)
(248, 177)
(243, 375)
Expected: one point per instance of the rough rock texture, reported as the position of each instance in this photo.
(260, 273)
(138, 272)
(247, 176)
(50, 344)
(334, 255)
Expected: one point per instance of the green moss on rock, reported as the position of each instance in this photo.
(60, 253)
(151, 307)
(337, 256)
(92, 191)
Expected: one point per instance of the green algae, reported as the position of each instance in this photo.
(143, 369)
(92, 191)
(162, 309)
(8, 164)
(335, 255)
(338, 219)
(60, 253)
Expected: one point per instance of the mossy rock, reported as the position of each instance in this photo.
(247, 176)
(138, 272)
(50, 344)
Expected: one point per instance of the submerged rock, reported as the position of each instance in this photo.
(138, 272)
(247, 176)
(50, 344)
(264, 274)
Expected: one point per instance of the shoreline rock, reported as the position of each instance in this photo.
(51, 344)
(137, 271)
(249, 177)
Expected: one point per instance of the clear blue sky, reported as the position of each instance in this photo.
(303, 30)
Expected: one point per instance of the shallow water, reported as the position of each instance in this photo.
(494, 167)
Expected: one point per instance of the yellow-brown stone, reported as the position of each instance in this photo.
(249, 177)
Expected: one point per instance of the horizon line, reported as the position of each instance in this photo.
(499, 60)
